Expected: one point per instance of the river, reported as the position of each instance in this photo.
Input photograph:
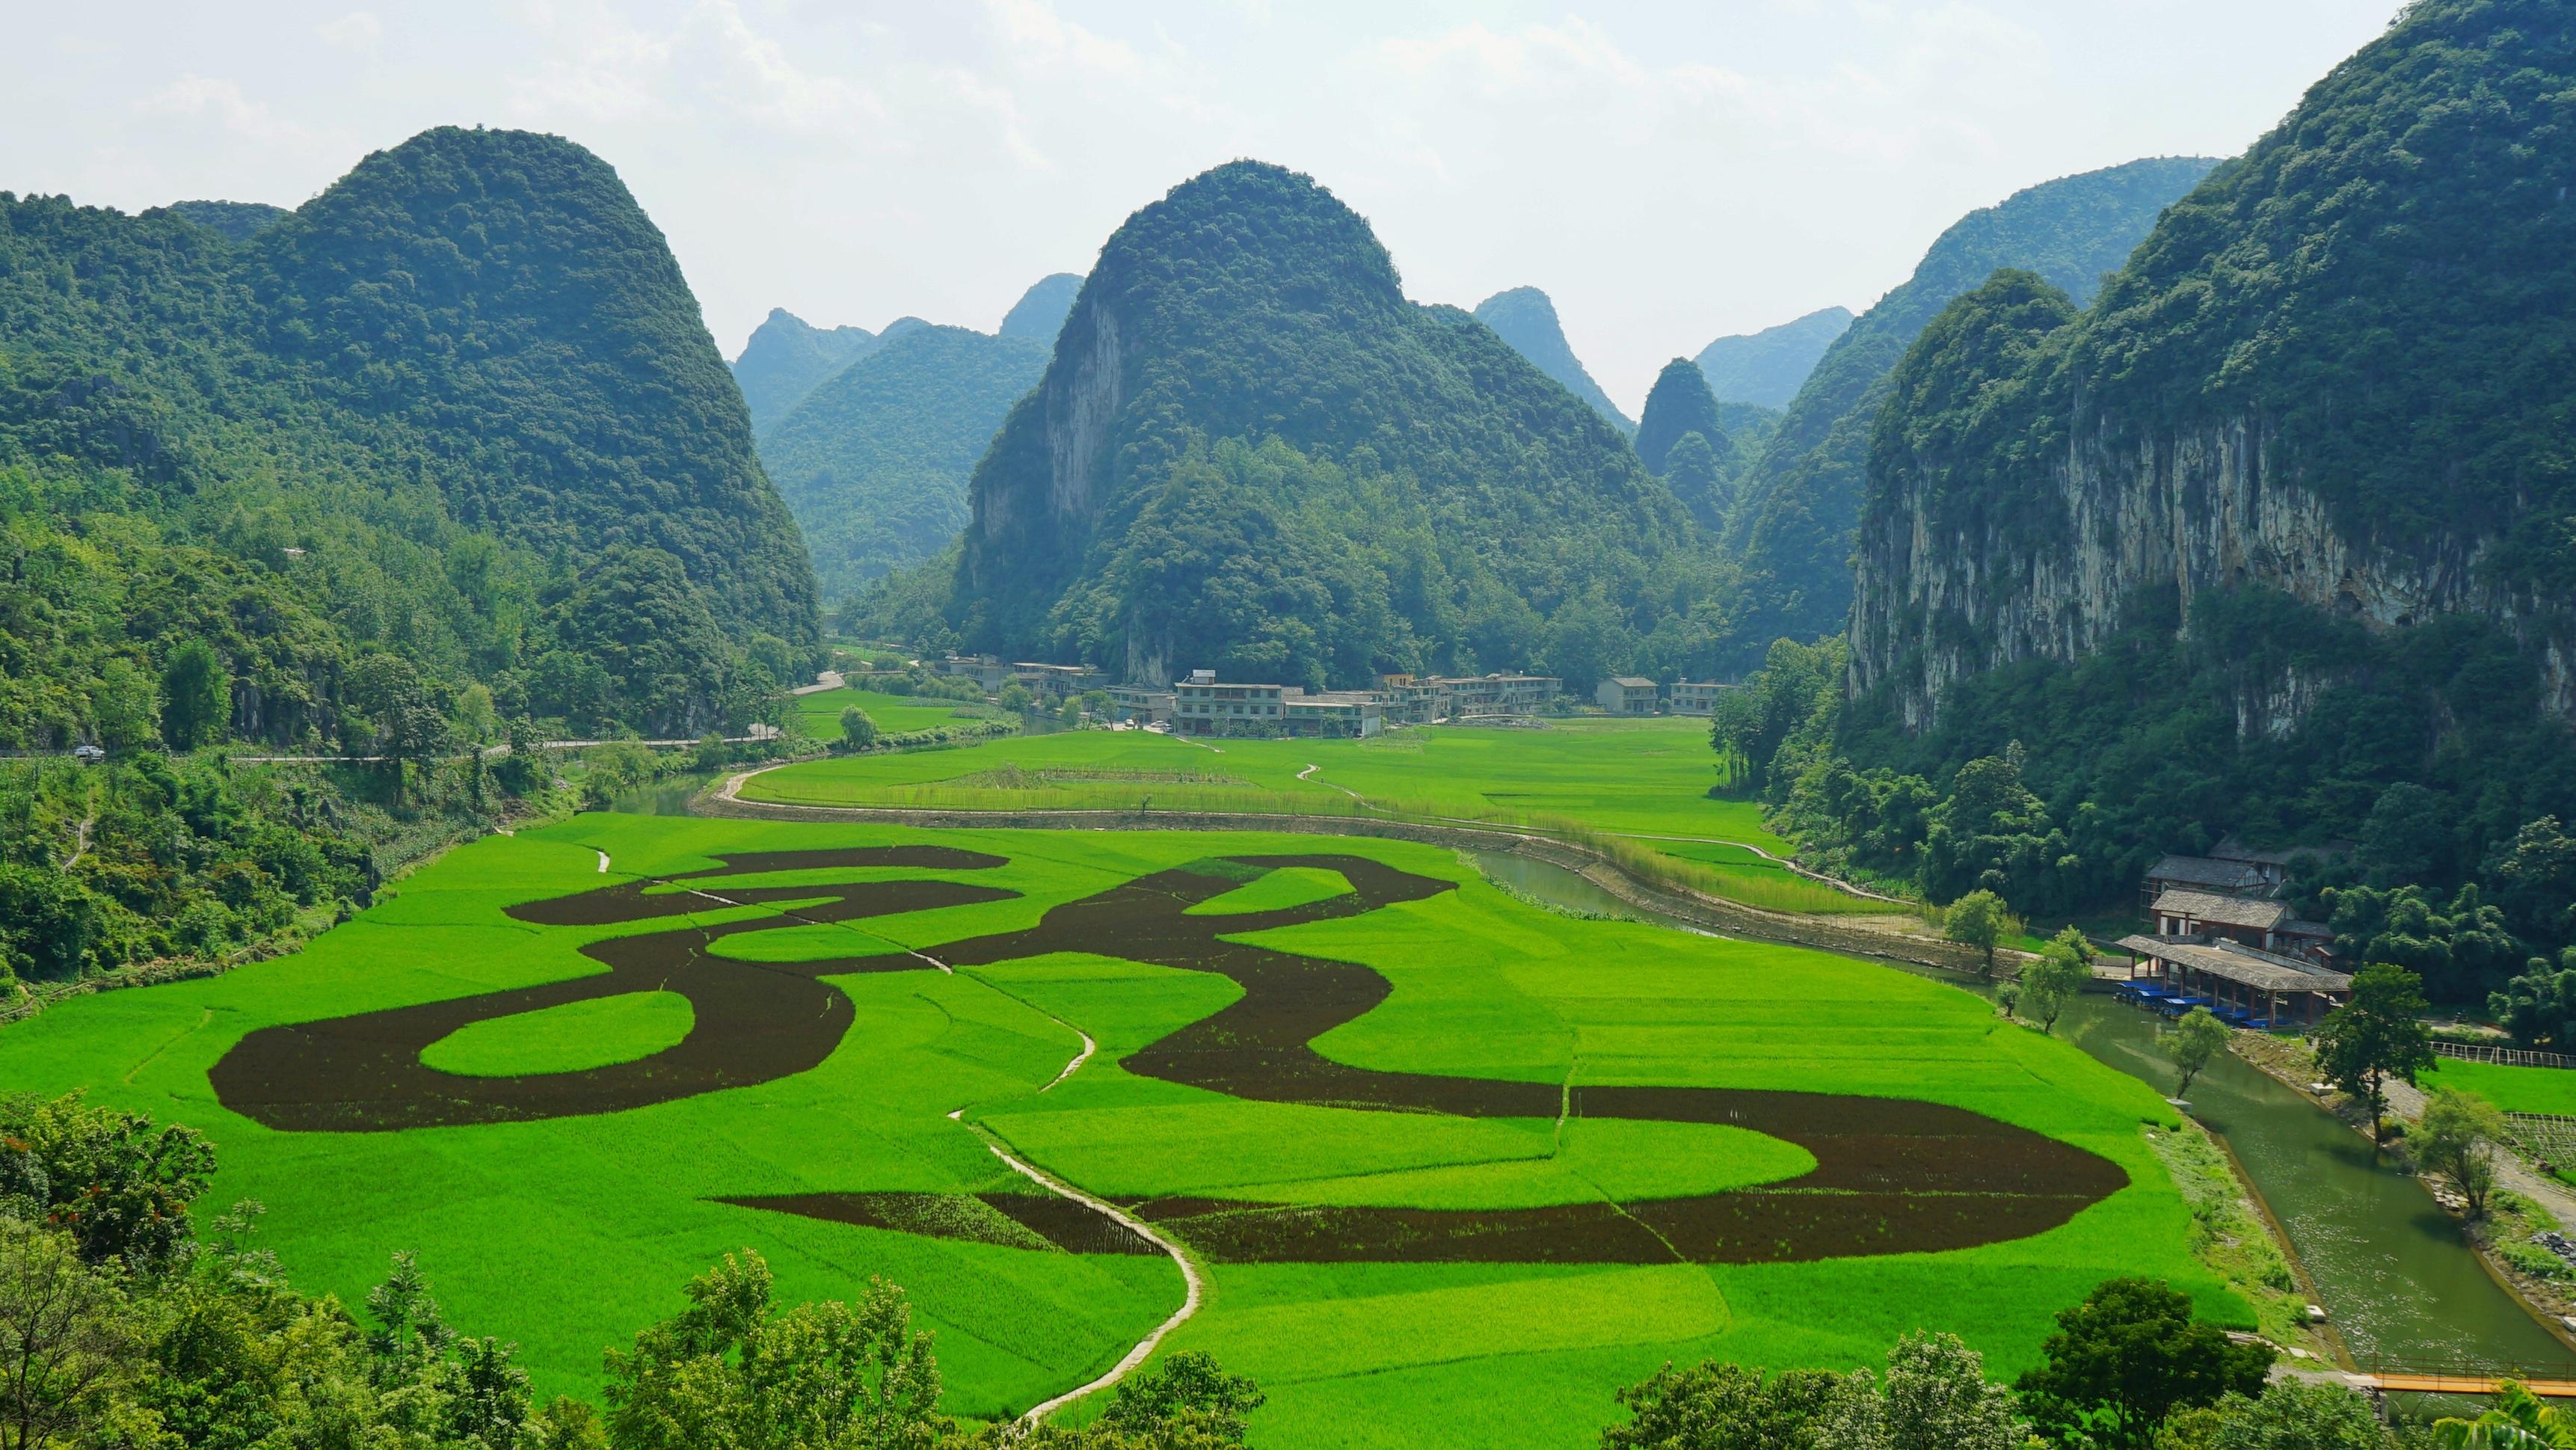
(2396, 1275)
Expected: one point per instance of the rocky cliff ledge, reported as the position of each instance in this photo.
(1941, 594)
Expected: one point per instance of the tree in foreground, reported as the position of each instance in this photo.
(1935, 1398)
(2377, 1036)
(2191, 1043)
(2127, 1357)
(858, 728)
(2457, 1140)
(2517, 1421)
(2290, 1415)
(2064, 968)
(1722, 1407)
(733, 1369)
(68, 1339)
(1188, 1399)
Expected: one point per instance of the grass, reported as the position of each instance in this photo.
(1635, 788)
(570, 1038)
(894, 714)
(566, 1235)
(2514, 1089)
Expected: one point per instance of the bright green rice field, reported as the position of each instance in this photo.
(1643, 778)
(894, 714)
(567, 1235)
(2514, 1089)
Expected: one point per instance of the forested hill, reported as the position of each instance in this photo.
(238, 220)
(1682, 439)
(1768, 367)
(874, 462)
(1039, 314)
(1525, 317)
(2274, 538)
(459, 408)
(1250, 452)
(1793, 527)
(785, 358)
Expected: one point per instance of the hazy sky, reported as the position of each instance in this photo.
(1668, 172)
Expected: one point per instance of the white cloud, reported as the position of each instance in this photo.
(359, 31)
(196, 95)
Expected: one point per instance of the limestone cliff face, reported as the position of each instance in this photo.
(2195, 509)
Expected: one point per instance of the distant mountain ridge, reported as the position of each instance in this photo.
(874, 462)
(1768, 367)
(1525, 317)
(1039, 314)
(1794, 527)
(1251, 453)
(785, 358)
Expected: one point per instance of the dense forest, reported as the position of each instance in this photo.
(1525, 317)
(2378, 282)
(874, 461)
(1792, 530)
(442, 458)
(1767, 368)
(1250, 452)
(786, 357)
(1682, 439)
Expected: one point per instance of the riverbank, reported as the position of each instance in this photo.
(2525, 1202)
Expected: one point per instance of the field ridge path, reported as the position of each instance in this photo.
(1193, 1293)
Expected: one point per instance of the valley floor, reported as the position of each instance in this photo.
(1573, 1069)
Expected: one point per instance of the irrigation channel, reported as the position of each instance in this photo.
(2397, 1277)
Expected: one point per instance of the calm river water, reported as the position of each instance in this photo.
(2397, 1278)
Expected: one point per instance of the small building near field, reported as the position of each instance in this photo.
(1135, 702)
(1429, 699)
(1204, 705)
(1696, 697)
(2244, 985)
(2252, 921)
(1626, 695)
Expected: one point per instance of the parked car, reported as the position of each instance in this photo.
(88, 754)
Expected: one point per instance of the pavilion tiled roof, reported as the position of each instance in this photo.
(2262, 971)
(2209, 906)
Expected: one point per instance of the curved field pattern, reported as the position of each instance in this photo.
(1890, 1176)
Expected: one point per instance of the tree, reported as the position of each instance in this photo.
(119, 1183)
(1188, 1394)
(476, 719)
(2126, 1357)
(1071, 712)
(196, 696)
(48, 922)
(1014, 697)
(2535, 881)
(1936, 1398)
(734, 1369)
(66, 1340)
(2191, 1043)
(2517, 1421)
(2539, 1007)
(411, 729)
(2457, 1140)
(2376, 1036)
(1722, 1407)
(858, 730)
(2064, 968)
(124, 707)
(2290, 1415)
(1977, 919)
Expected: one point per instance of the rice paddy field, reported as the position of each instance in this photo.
(1642, 779)
(894, 714)
(1454, 1167)
(2514, 1089)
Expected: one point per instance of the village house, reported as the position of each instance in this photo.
(1202, 705)
(1626, 695)
(1696, 697)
